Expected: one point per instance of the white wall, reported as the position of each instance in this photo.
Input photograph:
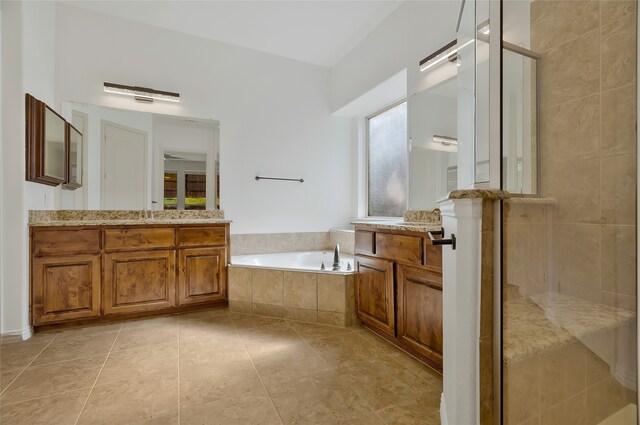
(28, 42)
(274, 114)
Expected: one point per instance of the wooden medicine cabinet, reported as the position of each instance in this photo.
(46, 144)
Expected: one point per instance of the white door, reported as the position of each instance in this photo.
(124, 167)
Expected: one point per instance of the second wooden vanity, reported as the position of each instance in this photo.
(399, 288)
(98, 272)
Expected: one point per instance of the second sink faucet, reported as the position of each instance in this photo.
(336, 258)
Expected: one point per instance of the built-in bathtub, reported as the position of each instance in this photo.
(293, 285)
(299, 261)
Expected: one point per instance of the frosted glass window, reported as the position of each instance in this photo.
(387, 162)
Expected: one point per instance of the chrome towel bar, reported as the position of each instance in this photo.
(279, 178)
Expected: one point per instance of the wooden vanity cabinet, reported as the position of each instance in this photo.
(106, 272)
(139, 281)
(399, 289)
(202, 264)
(202, 275)
(419, 305)
(374, 294)
(65, 288)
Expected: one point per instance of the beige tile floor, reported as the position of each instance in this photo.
(214, 367)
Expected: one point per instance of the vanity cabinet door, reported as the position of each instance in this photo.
(374, 293)
(139, 281)
(65, 288)
(419, 305)
(202, 275)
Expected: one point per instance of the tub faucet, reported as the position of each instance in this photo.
(336, 258)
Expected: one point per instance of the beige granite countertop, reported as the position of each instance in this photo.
(491, 194)
(411, 226)
(413, 221)
(122, 217)
(120, 222)
(547, 321)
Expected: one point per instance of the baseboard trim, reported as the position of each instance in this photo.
(16, 336)
(443, 411)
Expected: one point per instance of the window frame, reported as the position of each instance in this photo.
(366, 160)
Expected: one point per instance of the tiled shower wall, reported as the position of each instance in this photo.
(587, 152)
(266, 243)
(578, 238)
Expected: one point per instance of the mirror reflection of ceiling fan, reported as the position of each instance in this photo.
(169, 156)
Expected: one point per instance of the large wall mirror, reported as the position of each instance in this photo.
(433, 149)
(137, 160)
(46, 144)
(74, 161)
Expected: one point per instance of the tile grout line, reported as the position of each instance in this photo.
(52, 394)
(400, 363)
(43, 396)
(84, 405)
(25, 368)
(319, 355)
(396, 360)
(256, 369)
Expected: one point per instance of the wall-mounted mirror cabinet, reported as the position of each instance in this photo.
(74, 152)
(46, 144)
(53, 147)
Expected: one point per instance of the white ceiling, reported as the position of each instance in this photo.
(318, 32)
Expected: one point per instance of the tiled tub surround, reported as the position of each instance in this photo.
(266, 243)
(317, 297)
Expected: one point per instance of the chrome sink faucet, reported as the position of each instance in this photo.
(146, 214)
(336, 258)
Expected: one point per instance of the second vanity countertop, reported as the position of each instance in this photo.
(41, 218)
(413, 221)
(410, 226)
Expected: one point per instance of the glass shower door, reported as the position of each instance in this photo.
(569, 322)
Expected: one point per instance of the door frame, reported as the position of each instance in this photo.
(103, 142)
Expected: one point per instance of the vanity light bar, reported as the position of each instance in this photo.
(142, 93)
(447, 52)
(445, 140)
(484, 28)
(439, 56)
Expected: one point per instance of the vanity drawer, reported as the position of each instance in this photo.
(364, 242)
(401, 248)
(72, 241)
(132, 238)
(200, 236)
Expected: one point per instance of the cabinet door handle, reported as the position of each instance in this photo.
(434, 241)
